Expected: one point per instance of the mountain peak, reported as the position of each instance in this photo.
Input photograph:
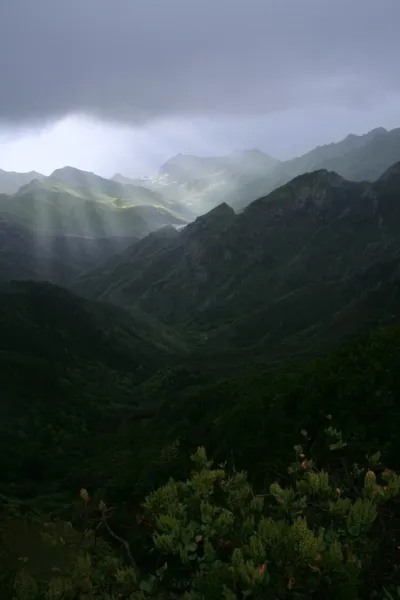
(11, 181)
(67, 169)
(321, 177)
(72, 173)
(377, 131)
(365, 136)
(31, 186)
(222, 211)
(213, 221)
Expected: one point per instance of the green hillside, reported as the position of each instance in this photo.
(117, 434)
(212, 411)
(53, 210)
(90, 186)
(279, 273)
(66, 362)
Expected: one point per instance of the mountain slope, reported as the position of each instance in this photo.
(321, 155)
(184, 168)
(290, 261)
(200, 182)
(26, 254)
(356, 158)
(11, 181)
(370, 160)
(44, 320)
(85, 180)
(157, 263)
(243, 176)
(68, 369)
(122, 194)
(46, 206)
(118, 270)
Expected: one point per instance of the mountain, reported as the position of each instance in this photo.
(356, 158)
(199, 182)
(128, 180)
(58, 325)
(118, 269)
(26, 254)
(239, 178)
(121, 194)
(49, 206)
(68, 370)
(11, 181)
(55, 228)
(288, 263)
(185, 168)
(369, 161)
(78, 179)
(321, 154)
(146, 265)
(102, 407)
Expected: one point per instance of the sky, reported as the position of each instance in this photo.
(122, 85)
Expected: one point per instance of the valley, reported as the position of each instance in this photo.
(238, 305)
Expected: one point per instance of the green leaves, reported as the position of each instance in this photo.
(221, 540)
(361, 516)
(335, 436)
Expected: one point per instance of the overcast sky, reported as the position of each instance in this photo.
(121, 85)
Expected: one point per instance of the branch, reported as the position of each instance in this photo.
(121, 540)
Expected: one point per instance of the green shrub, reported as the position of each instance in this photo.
(323, 533)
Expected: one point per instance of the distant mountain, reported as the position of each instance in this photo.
(64, 214)
(77, 179)
(357, 158)
(290, 262)
(10, 181)
(127, 180)
(239, 178)
(201, 182)
(93, 187)
(370, 160)
(54, 206)
(54, 228)
(321, 154)
(185, 168)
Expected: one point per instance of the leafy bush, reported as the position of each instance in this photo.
(325, 533)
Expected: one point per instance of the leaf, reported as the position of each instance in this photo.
(146, 586)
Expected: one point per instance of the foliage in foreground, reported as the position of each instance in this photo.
(327, 533)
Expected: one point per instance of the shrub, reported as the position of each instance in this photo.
(323, 533)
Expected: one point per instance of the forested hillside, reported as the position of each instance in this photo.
(207, 412)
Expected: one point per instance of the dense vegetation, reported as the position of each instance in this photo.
(270, 339)
(309, 261)
(324, 534)
(88, 429)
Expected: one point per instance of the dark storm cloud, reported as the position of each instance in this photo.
(140, 59)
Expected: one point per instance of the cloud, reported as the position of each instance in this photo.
(137, 61)
(106, 148)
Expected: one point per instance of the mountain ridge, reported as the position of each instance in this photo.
(215, 271)
(11, 181)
